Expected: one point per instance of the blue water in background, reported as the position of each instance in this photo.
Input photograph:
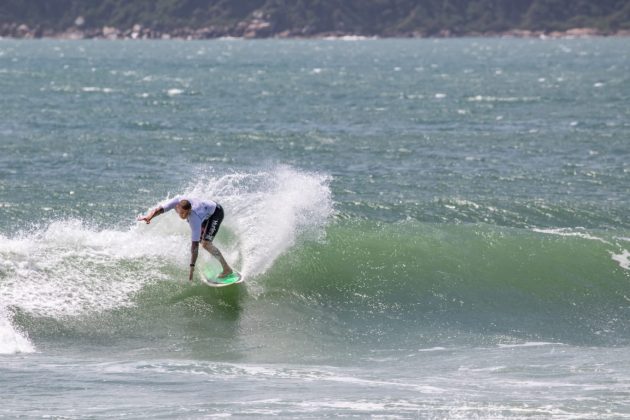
(429, 228)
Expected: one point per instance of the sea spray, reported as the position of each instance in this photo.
(268, 211)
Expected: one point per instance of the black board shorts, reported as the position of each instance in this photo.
(210, 226)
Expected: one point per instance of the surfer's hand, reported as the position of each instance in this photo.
(190, 276)
(151, 215)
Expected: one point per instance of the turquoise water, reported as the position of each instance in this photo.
(428, 228)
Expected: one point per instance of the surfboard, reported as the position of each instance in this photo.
(210, 278)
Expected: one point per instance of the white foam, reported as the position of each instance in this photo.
(361, 405)
(68, 269)
(431, 349)
(228, 371)
(571, 233)
(91, 89)
(12, 341)
(485, 369)
(622, 259)
(466, 203)
(174, 92)
(529, 344)
(481, 98)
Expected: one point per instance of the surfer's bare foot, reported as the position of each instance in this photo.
(225, 274)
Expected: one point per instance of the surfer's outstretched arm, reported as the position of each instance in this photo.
(155, 212)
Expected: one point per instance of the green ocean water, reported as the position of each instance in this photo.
(428, 228)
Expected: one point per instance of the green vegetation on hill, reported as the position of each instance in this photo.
(312, 17)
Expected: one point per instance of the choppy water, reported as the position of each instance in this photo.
(429, 229)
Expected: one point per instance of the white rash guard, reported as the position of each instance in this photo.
(201, 210)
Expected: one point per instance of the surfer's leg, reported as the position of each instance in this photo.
(214, 251)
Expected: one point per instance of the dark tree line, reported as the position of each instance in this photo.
(311, 17)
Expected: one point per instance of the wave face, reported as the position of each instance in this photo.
(387, 282)
(68, 269)
(556, 285)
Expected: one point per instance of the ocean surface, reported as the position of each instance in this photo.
(428, 228)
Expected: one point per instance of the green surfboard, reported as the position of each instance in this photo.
(210, 277)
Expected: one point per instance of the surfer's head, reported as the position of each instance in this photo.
(183, 209)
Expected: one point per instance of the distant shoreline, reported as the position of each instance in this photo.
(253, 31)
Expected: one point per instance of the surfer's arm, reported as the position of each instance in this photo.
(155, 212)
(194, 252)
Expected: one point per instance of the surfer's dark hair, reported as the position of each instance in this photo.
(185, 204)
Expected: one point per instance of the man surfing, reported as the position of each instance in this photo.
(204, 218)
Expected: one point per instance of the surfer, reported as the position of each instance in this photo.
(204, 218)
